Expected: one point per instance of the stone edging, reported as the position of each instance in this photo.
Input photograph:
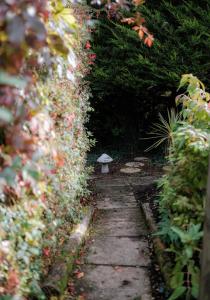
(57, 279)
(159, 247)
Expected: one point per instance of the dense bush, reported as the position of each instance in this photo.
(44, 101)
(183, 194)
(131, 82)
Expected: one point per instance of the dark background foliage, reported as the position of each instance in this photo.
(130, 82)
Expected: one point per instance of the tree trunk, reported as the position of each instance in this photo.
(205, 269)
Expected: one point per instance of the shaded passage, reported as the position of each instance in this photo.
(118, 258)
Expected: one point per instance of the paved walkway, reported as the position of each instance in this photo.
(117, 261)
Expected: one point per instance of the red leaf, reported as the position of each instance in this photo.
(46, 252)
(12, 281)
(87, 45)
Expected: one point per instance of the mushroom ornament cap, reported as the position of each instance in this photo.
(104, 159)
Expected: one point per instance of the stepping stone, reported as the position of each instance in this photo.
(118, 283)
(142, 159)
(119, 251)
(134, 164)
(130, 170)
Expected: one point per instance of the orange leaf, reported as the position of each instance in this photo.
(149, 41)
(80, 275)
(141, 34)
(138, 2)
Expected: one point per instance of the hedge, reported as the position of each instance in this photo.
(44, 105)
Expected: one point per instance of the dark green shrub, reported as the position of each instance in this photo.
(131, 82)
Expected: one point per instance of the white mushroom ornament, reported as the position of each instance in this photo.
(104, 160)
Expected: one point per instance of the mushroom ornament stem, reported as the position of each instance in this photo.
(104, 159)
(104, 168)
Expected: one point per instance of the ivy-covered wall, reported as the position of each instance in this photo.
(44, 105)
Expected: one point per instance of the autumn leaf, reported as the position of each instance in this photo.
(80, 275)
(78, 262)
(118, 269)
(141, 34)
(81, 297)
(128, 20)
(149, 41)
(71, 288)
(138, 2)
(87, 45)
(46, 252)
(12, 281)
(136, 28)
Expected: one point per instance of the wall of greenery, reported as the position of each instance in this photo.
(43, 111)
(183, 189)
(130, 82)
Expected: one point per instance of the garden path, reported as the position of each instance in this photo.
(117, 261)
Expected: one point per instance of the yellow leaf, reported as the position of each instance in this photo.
(67, 15)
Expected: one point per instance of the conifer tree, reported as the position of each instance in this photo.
(129, 76)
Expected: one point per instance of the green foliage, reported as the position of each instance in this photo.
(43, 111)
(132, 83)
(162, 132)
(183, 188)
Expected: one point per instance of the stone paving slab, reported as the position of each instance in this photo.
(111, 182)
(117, 190)
(125, 251)
(144, 180)
(112, 202)
(119, 283)
(117, 261)
(120, 228)
(132, 214)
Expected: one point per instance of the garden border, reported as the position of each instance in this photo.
(159, 247)
(57, 279)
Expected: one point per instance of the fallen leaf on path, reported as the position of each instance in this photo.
(81, 297)
(118, 269)
(80, 275)
(78, 262)
(71, 288)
